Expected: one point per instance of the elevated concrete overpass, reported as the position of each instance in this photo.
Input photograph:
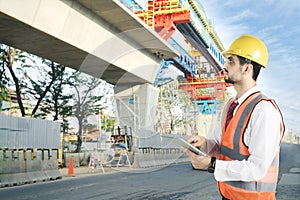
(102, 38)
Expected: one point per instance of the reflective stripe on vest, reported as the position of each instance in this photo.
(233, 148)
(253, 186)
(235, 152)
(265, 185)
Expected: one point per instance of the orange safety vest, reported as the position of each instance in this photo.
(233, 148)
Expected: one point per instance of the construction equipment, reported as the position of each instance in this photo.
(164, 15)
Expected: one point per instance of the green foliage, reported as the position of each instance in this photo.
(56, 100)
(108, 123)
(3, 78)
(10, 71)
(3, 96)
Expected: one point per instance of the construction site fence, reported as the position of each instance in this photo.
(24, 166)
(20, 132)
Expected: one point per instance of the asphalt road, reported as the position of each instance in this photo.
(171, 182)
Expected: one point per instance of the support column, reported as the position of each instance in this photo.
(136, 108)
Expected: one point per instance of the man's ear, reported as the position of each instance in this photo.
(247, 68)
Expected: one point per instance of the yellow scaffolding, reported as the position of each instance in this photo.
(161, 7)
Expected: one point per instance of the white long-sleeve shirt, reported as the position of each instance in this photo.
(262, 136)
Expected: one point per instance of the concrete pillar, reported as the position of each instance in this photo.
(136, 108)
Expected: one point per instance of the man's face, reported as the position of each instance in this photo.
(233, 70)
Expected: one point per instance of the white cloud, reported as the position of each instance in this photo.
(228, 33)
(243, 15)
(277, 24)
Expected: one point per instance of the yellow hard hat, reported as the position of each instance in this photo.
(250, 47)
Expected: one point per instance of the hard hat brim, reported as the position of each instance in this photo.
(227, 53)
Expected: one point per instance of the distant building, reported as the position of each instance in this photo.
(290, 137)
(12, 107)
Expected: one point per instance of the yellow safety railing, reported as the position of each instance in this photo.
(209, 29)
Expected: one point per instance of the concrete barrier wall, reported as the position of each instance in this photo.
(25, 150)
(142, 158)
(22, 166)
(153, 157)
(150, 157)
(78, 159)
(50, 164)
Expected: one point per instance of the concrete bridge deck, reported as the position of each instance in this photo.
(102, 38)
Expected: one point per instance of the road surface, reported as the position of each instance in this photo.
(171, 182)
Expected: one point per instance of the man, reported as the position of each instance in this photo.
(244, 151)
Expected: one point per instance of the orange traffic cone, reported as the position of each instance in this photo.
(71, 168)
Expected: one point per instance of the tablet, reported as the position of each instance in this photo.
(182, 142)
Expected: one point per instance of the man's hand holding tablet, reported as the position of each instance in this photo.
(183, 143)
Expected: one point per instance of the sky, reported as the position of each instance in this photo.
(277, 23)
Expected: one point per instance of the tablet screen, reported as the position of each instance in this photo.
(183, 143)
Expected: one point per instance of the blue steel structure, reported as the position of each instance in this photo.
(207, 107)
(161, 77)
(201, 36)
(185, 62)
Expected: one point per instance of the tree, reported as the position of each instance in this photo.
(3, 77)
(18, 63)
(86, 101)
(48, 84)
(56, 101)
(173, 109)
(10, 57)
(40, 87)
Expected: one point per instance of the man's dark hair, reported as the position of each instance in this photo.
(256, 66)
